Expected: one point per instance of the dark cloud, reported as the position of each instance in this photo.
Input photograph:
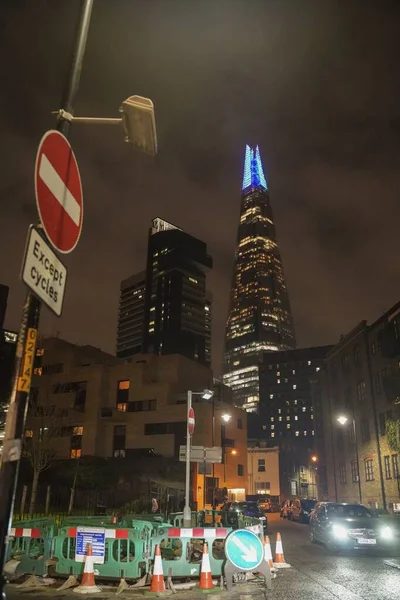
(315, 84)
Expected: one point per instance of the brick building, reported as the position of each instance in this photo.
(360, 386)
(124, 409)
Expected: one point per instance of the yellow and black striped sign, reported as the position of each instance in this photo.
(25, 374)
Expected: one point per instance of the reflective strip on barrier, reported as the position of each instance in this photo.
(218, 532)
(119, 534)
(22, 532)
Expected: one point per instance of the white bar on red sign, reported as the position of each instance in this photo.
(59, 190)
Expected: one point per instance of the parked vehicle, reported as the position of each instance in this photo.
(301, 509)
(286, 509)
(248, 509)
(349, 526)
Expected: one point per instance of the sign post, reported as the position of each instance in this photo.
(244, 552)
(26, 343)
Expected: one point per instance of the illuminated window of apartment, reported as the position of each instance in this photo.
(309, 362)
(76, 442)
(29, 433)
(40, 352)
(280, 419)
(294, 371)
(297, 433)
(305, 432)
(77, 430)
(261, 465)
(288, 426)
(272, 426)
(76, 453)
(272, 435)
(279, 410)
(122, 394)
(294, 386)
(296, 418)
(278, 381)
(272, 419)
(271, 396)
(304, 409)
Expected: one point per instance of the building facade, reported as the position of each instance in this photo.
(263, 470)
(259, 317)
(130, 315)
(4, 289)
(123, 410)
(359, 393)
(167, 309)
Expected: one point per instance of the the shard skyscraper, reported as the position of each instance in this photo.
(259, 318)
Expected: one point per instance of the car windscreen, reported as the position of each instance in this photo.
(308, 504)
(348, 511)
(252, 506)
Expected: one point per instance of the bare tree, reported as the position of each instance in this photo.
(39, 446)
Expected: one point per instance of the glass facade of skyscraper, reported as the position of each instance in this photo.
(259, 318)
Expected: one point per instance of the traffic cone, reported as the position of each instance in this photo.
(157, 581)
(88, 584)
(279, 561)
(268, 553)
(206, 582)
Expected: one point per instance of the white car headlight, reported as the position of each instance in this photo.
(339, 532)
(387, 533)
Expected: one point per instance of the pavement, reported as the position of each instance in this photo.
(315, 574)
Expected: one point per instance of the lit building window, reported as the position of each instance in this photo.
(309, 362)
(294, 386)
(271, 396)
(278, 374)
(272, 426)
(77, 430)
(288, 418)
(304, 409)
(278, 381)
(76, 453)
(294, 371)
(305, 432)
(297, 433)
(272, 419)
(280, 418)
(28, 433)
(279, 410)
(40, 352)
(317, 369)
(288, 426)
(122, 406)
(296, 418)
(272, 435)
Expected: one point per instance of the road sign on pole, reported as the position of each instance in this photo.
(244, 549)
(191, 421)
(43, 272)
(96, 537)
(58, 191)
(200, 454)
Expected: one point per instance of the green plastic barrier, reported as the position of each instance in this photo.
(124, 556)
(32, 548)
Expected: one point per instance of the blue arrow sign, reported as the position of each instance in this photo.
(244, 549)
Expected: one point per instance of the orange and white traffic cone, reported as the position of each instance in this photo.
(157, 581)
(88, 584)
(279, 561)
(268, 554)
(206, 582)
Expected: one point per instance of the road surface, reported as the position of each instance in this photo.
(315, 574)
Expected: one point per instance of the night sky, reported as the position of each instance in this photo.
(315, 84)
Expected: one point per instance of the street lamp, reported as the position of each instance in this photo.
(342, 420)
(226, 417)
(187, 512)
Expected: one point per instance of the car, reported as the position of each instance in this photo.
(349, 526)
(301, 509)
(286, 509)
(248, 509)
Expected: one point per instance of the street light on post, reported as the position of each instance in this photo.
(225, 417)
(206, 395)
(342, 420)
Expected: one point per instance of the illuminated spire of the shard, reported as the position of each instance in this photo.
(247, 168)
(253, 175)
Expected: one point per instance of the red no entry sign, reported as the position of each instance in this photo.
(191, 421)
(58, 191)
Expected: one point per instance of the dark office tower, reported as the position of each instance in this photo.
(4, 289)
(259, 317)
(131, 315)
(176, 300)
(208, 326)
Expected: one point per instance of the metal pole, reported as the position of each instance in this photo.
(187, 513)
(27, 336)
(358, 461)
(213, 465)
